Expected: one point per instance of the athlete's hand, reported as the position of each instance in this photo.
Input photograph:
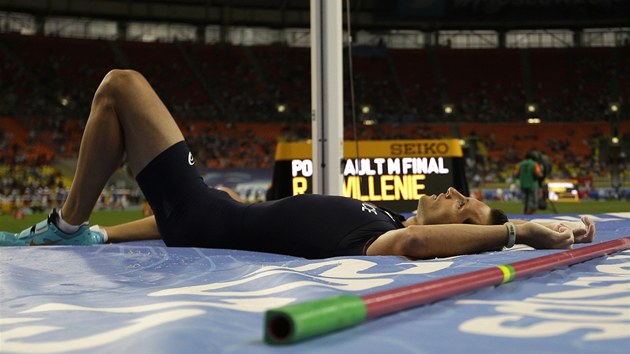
(542, 237)
(583, 232)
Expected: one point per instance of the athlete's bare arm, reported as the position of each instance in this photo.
(138, 230)
(583, 231)
(431, 241)
(146, 228)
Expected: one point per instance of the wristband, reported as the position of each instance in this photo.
(511, 234)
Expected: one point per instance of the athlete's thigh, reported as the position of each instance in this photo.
(147, 125)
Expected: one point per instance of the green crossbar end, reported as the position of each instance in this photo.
(293, 323)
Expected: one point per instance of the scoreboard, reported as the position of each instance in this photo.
(390, 173)
(563, 190)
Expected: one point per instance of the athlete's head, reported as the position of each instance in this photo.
(453, 207)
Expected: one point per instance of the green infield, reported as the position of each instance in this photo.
(582, 207)
(106, 218)
(114, 217)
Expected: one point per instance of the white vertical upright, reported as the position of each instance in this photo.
(327, 95)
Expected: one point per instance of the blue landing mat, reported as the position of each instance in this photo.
(147, 298)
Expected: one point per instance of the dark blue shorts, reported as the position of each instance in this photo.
(187, 211)
(191, 214)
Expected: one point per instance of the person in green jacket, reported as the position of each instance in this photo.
(529, 173)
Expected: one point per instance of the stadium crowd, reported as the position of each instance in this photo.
(228, 101)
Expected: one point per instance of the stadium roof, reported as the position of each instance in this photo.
(366, 14)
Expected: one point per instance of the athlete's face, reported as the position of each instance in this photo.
(452, 208)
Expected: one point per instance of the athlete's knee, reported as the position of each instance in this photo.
(115, 85)
(119, 80)
(123, 74)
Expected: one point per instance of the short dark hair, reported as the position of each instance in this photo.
(497, 217)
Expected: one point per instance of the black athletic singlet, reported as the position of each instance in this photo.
(190, 214)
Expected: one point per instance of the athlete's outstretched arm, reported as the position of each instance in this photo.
(138, 230)
(583, 230)
(146, 228)
(431, 241)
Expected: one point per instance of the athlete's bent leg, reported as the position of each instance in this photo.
(127, 119)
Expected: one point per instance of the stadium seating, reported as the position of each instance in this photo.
(226, 97)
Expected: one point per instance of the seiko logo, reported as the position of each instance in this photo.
(191, 159)
(419, 149)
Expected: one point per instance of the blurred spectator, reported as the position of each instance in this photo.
(529, 173)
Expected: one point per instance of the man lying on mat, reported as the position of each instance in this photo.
(128, 121)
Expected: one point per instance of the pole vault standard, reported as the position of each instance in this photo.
(297, 322)
(327, 95)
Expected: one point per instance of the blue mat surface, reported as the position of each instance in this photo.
(147, 298)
